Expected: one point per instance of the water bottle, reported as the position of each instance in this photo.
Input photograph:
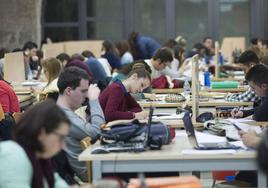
(207, 79)
(221, 60)
(186, 89)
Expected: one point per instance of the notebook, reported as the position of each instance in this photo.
(189, 128)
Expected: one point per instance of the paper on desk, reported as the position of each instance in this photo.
(206, 152)
(166, 117)
(239, 144)
(239, 120)
(246, 127)
(208, 138)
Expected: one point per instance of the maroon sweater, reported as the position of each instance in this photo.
(117, 103)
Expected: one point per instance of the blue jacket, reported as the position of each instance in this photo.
(146, 46)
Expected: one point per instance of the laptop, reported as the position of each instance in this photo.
(189, 128)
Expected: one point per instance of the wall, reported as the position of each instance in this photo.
(19, 22)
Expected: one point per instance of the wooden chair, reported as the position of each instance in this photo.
(85, 143)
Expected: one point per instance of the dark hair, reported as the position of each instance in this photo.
(254, 41)
(63, 57)
(170, 43)
(141, 73)
(3, 51)
(45, 116)
(206, 38)
(87, 53)
(71, 77)
(262, 151)
(109, 46)
(248, 57)
(199, 46)
(122, 47)
(178, 54)
(258, 74)
(132, 39)
(17, 50)
(29, 45)
(77, 56)
(165, 54)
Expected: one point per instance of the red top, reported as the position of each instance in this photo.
(117, 103)
(8, 98)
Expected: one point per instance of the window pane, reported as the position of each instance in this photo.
(105, 30)
(104, 8)
(192, 20)
(234, 19)
(61, 33)
(150, 18)
(61, 11)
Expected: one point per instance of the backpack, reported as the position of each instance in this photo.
(6, 126)
(135, 131)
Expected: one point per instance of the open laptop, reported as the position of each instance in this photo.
(189, 128)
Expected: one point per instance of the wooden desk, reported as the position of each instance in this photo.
(170, 159)
(210, 103)
(231, 90)
(167, 91)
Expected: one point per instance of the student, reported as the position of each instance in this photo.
(247, 60)
(52, 69)
(64, 59)
(126, 56)
(257, 78)
(29, 50)
(74, 88)
(160, 61)
(142, 47)
(39, 135)
(116, 101)
(8, 98)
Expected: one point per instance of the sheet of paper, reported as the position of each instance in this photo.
(240, 144)
(207, 152)
(239, 120)
(208, 138)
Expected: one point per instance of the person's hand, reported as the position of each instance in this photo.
(235, 113)
(152, 96)
(35, 58)
(141, 115)
(93, 92)
(250, 138)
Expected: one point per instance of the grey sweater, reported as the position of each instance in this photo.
(80, 129)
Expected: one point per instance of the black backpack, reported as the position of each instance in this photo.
(6, 126)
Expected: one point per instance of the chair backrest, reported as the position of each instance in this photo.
(85, 142)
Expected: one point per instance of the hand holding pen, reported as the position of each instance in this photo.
(237, 113)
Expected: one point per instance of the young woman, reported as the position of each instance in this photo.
(52, 69)
(116, 101)
(39, 135)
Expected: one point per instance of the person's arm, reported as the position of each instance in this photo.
(133, 106)
(5, 102)
(261, 112)
(247, 96)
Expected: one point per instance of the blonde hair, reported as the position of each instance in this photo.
(53, 67)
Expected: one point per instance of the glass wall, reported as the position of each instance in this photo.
(234, 19)
(150, 18)
(192, 20)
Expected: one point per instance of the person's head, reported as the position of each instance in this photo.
(81, 65)
(170, 43)
(77, 56)
(122, 47)
(52, 68)
(162, 58)
(127, 68)
(30, 49)
(257, 78)
(181, 41)
(208, 42)
(247, 60)
(64, 58)
(109, 47)
(73, 85)
(43, 128)
(179, 53)
(138, 79)
(87, 54)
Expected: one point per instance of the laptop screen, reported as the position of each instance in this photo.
(189, 128)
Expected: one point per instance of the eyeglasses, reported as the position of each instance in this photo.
(61, 136)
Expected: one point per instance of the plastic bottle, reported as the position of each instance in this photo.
(186, 89)
(221, 60)
(207, 79)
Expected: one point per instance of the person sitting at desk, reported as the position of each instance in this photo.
(257, 77)
(8, 98)
(246, 60)
(116, 101)
(39, 135)
(74, 88)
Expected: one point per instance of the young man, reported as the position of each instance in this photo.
(31, 59)
(74, 89)
(247, 60)
(160, 62)
(257, 77)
